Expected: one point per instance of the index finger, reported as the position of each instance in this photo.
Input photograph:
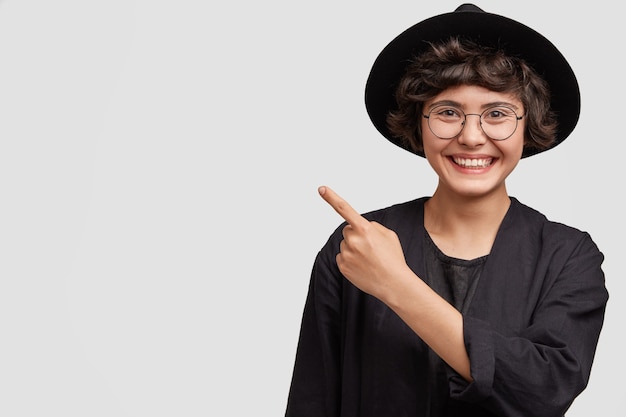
(341, 206)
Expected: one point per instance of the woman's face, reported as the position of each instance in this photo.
(470, 163)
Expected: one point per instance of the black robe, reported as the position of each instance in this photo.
(531, 330)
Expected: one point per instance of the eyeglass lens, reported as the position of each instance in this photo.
(498, 123)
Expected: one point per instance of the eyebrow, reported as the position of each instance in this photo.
(483, 107)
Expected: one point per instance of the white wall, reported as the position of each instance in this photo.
(158, 171)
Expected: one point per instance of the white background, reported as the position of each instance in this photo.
(158, 170)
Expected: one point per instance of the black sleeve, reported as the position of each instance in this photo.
(315, 385)
(541, 370)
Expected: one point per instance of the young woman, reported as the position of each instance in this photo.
(467, 302)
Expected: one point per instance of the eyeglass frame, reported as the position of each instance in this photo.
(480, 120)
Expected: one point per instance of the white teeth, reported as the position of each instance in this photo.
(473, 163)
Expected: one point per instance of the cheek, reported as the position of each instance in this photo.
(433, 148)
(515, 145)
(429, 140)
(521, 144)
(513, 150)
(429, 147)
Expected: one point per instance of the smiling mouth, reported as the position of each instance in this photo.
(473, 162)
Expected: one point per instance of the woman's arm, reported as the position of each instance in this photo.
(371, 257)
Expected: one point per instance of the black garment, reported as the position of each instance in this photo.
(455, 280)
(530, 331)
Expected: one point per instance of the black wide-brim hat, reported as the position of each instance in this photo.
(490, 29)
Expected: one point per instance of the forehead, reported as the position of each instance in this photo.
(474, 97)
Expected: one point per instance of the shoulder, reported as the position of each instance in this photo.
(530, 222)
(521, 214)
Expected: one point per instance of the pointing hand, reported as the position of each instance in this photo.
(371, 255)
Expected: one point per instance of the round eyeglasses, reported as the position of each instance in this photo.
(447, 122)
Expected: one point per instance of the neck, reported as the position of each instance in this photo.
(464, 226)
(484, 209)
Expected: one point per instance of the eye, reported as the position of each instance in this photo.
(498, 114)
(447, 113)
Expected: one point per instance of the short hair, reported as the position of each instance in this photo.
(458, 61)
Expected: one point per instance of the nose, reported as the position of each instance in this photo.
(472, 134)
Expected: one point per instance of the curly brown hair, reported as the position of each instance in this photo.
(463, 62)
